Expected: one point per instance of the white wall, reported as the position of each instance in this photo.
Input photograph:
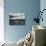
(1, 21)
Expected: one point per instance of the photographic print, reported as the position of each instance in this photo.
(17, 19)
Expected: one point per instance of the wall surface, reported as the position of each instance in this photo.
(1, 21)
(43, 6)
(29, 7)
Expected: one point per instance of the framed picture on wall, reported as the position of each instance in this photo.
(17, 19)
